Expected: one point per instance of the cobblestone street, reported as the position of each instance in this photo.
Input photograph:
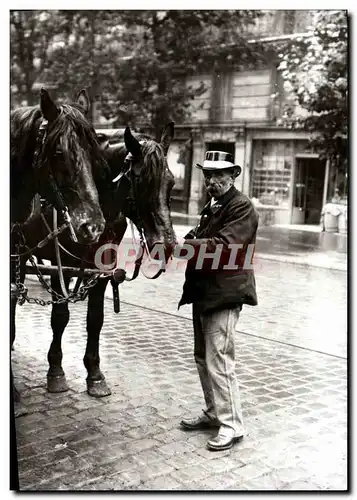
(292, 370)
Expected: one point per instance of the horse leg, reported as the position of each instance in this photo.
(96, 383)
(56, 379)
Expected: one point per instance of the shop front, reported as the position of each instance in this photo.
(288, 182)
(271, 180)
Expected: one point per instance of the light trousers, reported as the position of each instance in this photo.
(215, 359)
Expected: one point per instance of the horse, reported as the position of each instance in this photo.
(141, 192)
(54, 151)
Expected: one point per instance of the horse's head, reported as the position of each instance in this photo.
(151, 185)
(143, 182)
(69, 158)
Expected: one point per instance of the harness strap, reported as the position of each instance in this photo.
(80, 278)
(138, 261)
(42, 243)
(62, 247)
(53, 191)
(41, 137)
(58, 257)
(116, 298)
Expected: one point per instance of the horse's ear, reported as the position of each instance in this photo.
(103, 141)
(167, 136)
(132, 144)
(83, 100)
(48, 107)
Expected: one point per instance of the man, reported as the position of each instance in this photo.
(219, 280)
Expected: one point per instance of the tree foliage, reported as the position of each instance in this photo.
(315, 72)
(134, 63)
(32, 33)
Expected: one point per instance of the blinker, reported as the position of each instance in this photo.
(129, 157)
(118, 177)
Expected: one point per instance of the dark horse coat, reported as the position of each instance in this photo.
(232, 220)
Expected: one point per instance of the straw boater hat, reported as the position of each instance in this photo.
(219, 160)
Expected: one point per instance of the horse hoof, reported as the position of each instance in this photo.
(98, 388)
(57, 384)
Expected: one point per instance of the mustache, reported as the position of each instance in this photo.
(214, 183)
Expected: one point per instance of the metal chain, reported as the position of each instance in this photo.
(22, 290)
(59, 299)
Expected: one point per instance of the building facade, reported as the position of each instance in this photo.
(238, 113)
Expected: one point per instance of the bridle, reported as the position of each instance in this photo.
(51, 191)
(131, 204)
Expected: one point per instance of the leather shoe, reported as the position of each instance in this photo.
(201, 422)
(223, 441)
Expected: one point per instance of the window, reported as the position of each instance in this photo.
(271, 172)
(221, 100)
(289, 21)
(176, 164)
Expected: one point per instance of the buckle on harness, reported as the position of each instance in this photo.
(67, 220)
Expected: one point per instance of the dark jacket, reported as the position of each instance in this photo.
(231, 220)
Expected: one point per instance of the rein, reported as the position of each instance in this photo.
(52, 235)
(144, 247)
(132, 178)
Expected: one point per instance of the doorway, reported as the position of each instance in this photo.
(308, 190)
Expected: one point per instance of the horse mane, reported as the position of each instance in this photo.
(71, 117)
(23, 133)
(24, 123)
(154, 166)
